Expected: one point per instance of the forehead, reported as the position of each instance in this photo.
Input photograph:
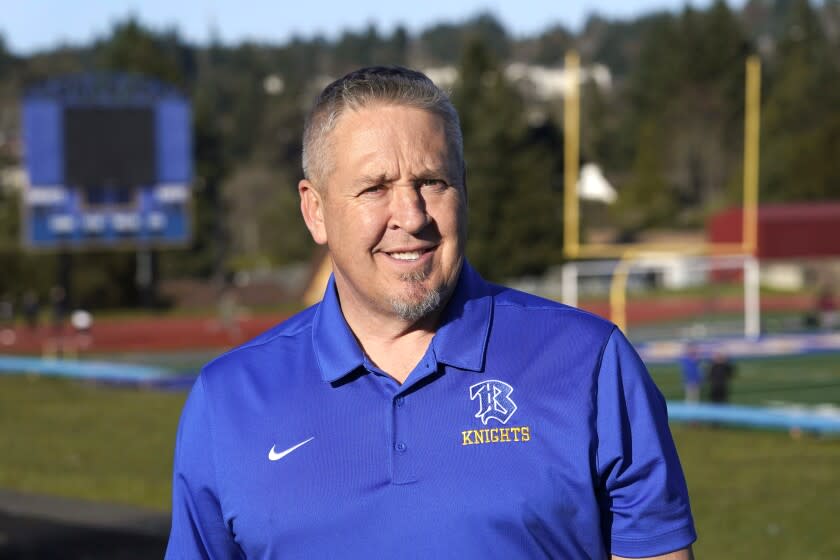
(389, 136)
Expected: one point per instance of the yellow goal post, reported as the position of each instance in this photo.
(574, 249)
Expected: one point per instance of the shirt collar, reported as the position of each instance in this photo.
(460, 341)
(335, 346)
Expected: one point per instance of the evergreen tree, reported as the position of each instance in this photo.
(801, 125)
(212, 106)
(646, 200)
(513, 225)
(5, 58)
(133, 48)
(397, 47)
(442, 43)
(551, 45)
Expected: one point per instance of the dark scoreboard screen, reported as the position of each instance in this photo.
(109, 146)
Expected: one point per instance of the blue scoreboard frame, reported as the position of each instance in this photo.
(63, 216)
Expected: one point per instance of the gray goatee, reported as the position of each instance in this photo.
(415, 310)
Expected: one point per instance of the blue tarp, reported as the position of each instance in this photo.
(103, 371)
(807, 420)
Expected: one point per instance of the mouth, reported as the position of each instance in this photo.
(409, 256)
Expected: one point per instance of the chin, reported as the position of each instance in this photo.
(417, 308)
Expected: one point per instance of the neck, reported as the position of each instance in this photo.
(392, 343)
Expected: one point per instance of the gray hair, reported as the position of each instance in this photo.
(393, 85)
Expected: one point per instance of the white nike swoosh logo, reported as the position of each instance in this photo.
(274, 455)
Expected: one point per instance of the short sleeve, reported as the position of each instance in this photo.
(198, 527)
(645, 499)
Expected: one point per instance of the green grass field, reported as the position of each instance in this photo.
(754, 494)
(761, 494)
(77, 439)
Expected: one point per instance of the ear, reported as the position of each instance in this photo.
(312, 208)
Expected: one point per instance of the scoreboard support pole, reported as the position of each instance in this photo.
(64, 274)
(146, 276)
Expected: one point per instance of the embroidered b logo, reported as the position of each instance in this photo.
(494, 400)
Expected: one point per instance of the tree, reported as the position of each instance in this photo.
(801, 128)
(356, 49)
(21, 271)
(513, 227)
(133, 48)
(397, 46)
(646, 200)
(5, 57)
(263, 217)
(208, 248)
(443, 43)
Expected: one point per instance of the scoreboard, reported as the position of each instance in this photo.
(109, 162)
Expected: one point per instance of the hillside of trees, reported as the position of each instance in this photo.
(668, 132)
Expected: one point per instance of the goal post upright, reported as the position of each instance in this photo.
(752, 120)
(571, 155)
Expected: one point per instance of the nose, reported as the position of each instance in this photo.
(408, 209)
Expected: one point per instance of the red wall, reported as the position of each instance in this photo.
(785, 230)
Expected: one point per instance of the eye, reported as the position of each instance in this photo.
(373, 190)
(434, 184)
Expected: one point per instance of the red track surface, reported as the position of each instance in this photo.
(665, 309)
(193, 333)
(144, 334)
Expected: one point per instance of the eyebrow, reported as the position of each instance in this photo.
(381, 179)
(431, 173)
(426, 173)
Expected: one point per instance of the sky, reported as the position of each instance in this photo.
(33, 25)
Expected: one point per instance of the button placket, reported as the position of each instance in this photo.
(401, 453)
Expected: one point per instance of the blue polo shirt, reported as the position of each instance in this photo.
(528, 430)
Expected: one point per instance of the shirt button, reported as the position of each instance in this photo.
(400, 401)
(401, 447)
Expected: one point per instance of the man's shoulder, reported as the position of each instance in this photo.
(526, 307)
(287, 336)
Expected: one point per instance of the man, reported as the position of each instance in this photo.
(417, 411)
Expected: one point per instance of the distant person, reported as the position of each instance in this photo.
(31, 308)
(721, 371)
(692, 375)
